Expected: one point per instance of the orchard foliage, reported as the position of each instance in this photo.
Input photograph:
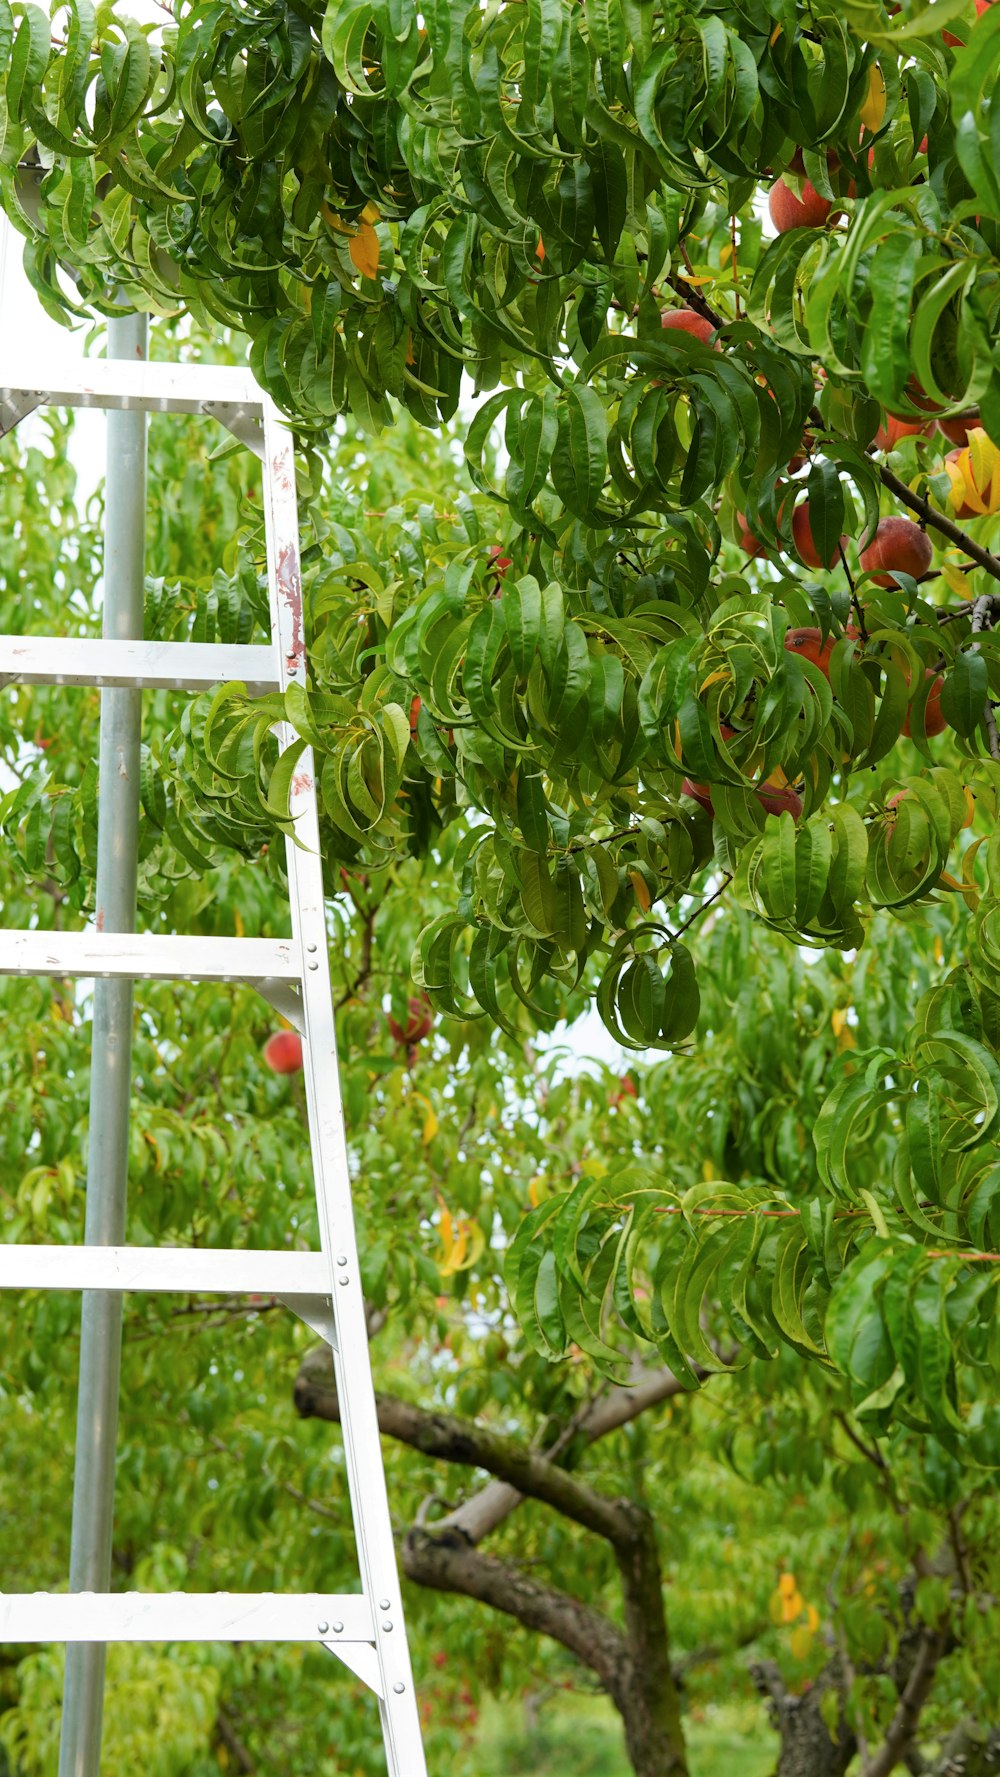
(524, 682)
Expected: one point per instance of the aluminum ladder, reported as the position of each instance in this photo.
(364, 1630)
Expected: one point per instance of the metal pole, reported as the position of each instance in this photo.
(111, 1062)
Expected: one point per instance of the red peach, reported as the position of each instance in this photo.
(699, 793)
(779, 799)
(888, 436)
(956, 426)
(809, 645)
(949, 37)
(687, 321)
(419, 1022)
(934, 721)
(283, 1052)
(626, 1089)
(773, 798)
(788, 211)
(899, 545)
(805, 542)
(749, 544)
(498, 561)
(415, 708)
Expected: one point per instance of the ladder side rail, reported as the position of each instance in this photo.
(359, 1418)
(95, 1452)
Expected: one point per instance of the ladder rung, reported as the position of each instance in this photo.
(203, 1270)
(139, 956)
(181, 666)
(184, 1616)
(127, 383)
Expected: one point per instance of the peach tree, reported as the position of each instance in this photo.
(713, 294)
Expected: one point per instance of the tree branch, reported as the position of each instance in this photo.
(449, 1564)
(939, 521)
(934, 1644)
(459, 1440)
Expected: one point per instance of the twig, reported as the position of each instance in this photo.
(226, 1731)
(705, 905)
(939, 521)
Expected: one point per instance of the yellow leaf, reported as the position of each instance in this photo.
(238, 922)
(838, 1019)
(371, 213)
(430, 1126)
(641, 889)
(456, 1256)
(873, 109)
(793, 1607)
(536, 1191)
(446, 1231)
(812, 1618)
(776, 1607)
(707, 1171)
(786, 1585)
(364, 250)
(800, 1642)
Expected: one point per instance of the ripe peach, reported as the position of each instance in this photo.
(774, 798)
(805, 542)
(779, 799)
(415, 708)
(699, 793)
(809, 645)
(934, 721)
(283, 1052)
(957, 426)
(686, 321)
(788, 211)
(419, 1022)
(626, 1089)
(949, 37)
(899, 545)
(888, 436)
(749, 544)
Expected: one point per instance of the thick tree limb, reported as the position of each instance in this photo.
(474, 1446)
(808, 1749)
(933, 1645)
(449, 1564)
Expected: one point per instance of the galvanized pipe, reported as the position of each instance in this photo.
(111, 1064)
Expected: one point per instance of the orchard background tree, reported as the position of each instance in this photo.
(703, 671)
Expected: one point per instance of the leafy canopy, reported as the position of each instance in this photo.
(525, 683)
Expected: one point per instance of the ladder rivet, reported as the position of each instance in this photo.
(314, 965)
(341, 1258)
(343, 1278)
(399, 1687)
(311, 948)
(387, 1627)
(324, 1628)
(338, 1628)
(383, 1604)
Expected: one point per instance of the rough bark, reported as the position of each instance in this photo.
(650, 1708)
(931, 1647)
(633, 1667)
(970, 1750)
(807, 1747)
(472, 1446)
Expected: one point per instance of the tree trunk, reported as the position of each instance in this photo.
(649, 1704)
(807, 1747)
